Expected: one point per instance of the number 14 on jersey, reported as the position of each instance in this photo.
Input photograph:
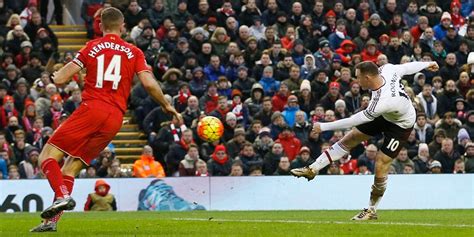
(112, 73)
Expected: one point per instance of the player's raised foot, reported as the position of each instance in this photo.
(46, 226)
(365, 215)
(306, 172)
(62, 204)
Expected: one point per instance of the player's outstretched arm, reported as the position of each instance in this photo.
(414, 67)
(354, 120)
(154, 90)
(66, 73)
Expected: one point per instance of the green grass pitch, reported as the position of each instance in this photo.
(248, 223)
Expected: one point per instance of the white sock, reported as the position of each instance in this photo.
(335, 152)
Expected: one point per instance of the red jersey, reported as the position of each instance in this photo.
(111, 64)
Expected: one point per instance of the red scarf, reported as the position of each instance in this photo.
(36, 134)
(185, 145)
(237, 110)
(27, 123)
(56, 117)
(183, 97)
(214, 156)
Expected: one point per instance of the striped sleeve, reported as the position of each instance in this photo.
(374, 110)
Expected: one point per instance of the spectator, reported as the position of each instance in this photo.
(73, 102)
(177, 152)
(283, 166)
(146, 166)
(369, 157)
(235, 145)
(303, 159)
(422, 160)
(7, 110)
(424, 131)
(432, 12)
(291, 144)
(201, 168)
(269, 84)
(435, 167)
(29, 168)
(263, 143)
(188, 166)
(14, 39)
(133, 14)
(328, 100)
(220, 164)
(449, 124)
(447, 98)
(214, 70)
(249, 158)
(447, 155)
(157, 13)
(469, 158)
(33, 68)
(101, 199)
(115, 170)
(334, 169)
(13, 172)
(401, 161)
(290, 110)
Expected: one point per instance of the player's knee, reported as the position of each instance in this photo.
(353, 138)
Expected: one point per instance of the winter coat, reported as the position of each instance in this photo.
(270, 163)
(270, 85)
(289, 114)
(291, 145)
(447, 161)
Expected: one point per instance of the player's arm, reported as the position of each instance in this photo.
(354, 120)
(154, 90)
(375, 109)
(66, 73)
(414, 67)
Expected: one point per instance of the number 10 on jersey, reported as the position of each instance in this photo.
(112, 73)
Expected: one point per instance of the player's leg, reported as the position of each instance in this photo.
(394, 140)
(49, 159)
(334, 153)
(70, 169)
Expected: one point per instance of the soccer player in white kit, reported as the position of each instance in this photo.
(390, 112)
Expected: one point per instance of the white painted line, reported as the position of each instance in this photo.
(326, 222)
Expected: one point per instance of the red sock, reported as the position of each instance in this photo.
(69, 182)
(51, 170)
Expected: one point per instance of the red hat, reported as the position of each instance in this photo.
(384, 37)
(347, 42)
(28, 102)
(220, 148)
(236, 92)
(41, 29)
(305, 149)
(57, 98)
(330, 13)
(8, 98)
(212, 20)
(334, 84)
(455, 3)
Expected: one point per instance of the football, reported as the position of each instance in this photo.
(210, 129)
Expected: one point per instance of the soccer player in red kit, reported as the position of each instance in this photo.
(111, 64)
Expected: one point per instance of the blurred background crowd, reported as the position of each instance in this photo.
(268, 69)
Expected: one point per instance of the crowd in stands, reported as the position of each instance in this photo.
(268, 69)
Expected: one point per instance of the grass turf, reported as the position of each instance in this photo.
(248, 223)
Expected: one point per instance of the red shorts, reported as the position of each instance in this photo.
(88, 130)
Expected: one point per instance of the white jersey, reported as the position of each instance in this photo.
(390, 101)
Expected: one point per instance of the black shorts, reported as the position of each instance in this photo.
(395, 137)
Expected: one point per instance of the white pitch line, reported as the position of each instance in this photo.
(325, 222)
